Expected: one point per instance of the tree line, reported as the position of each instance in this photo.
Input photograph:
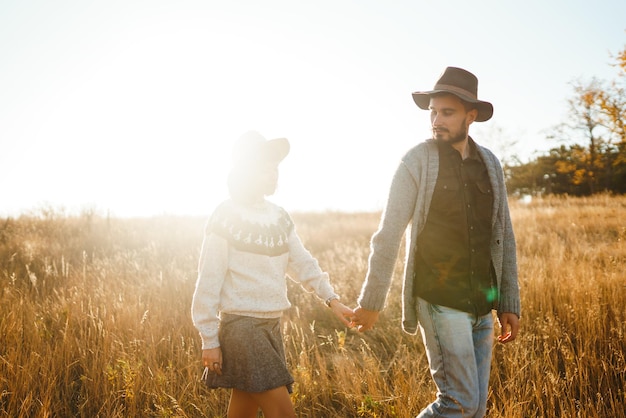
(595, 159)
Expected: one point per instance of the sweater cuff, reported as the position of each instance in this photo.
(372, 301)
(210, 342)
(209, 336)
(511, 305)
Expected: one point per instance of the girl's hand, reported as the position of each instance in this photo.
(212, 360)
(342, 312)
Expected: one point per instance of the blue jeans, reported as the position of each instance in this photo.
(458, 345)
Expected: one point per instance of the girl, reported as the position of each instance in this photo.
(241, 291)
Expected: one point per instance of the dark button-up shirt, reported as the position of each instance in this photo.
(453, 262)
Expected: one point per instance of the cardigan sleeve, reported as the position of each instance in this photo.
(509, 284)
(385, 243)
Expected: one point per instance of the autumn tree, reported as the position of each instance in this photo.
(612, 102)
(594, 158)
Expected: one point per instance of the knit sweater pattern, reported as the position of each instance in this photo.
(246, 254)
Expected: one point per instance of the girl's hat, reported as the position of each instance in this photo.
(253, 147)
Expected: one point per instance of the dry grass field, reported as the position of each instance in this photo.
(95, 320)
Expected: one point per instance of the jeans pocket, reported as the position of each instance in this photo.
(434, 308)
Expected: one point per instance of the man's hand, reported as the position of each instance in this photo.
(364, 320)
(509, 327)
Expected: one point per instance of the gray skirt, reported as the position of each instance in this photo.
(253, 355)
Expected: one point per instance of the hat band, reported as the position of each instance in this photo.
(455, 89)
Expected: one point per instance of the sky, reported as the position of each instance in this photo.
(130, 108)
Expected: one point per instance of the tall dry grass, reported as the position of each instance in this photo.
(95, 321)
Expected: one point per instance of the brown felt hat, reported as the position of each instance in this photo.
(462, 84)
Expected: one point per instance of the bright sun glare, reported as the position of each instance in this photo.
(145, 119)
(129, 114)
(134, 107)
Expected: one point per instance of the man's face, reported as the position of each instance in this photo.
(449, 119)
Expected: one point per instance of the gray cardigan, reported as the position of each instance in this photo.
(409, 200)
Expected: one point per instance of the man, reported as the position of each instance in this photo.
(461, 261)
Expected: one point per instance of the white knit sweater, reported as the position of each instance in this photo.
(246, 254)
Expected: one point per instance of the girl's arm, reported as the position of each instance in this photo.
(212, 270)
(309, 274)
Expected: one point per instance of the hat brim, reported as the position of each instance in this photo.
(277, 148)
(252, 146)
(485, 109)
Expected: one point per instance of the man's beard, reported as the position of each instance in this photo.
(459, 137)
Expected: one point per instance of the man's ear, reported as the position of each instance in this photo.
(472, 115)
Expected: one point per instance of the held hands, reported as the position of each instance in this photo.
(364, 319)
(361, 318)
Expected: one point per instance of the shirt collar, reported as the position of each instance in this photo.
(450, 150)
(473, 151)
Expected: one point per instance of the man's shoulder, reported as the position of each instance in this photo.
(421, 150)
(483, 150)
(487, 155)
